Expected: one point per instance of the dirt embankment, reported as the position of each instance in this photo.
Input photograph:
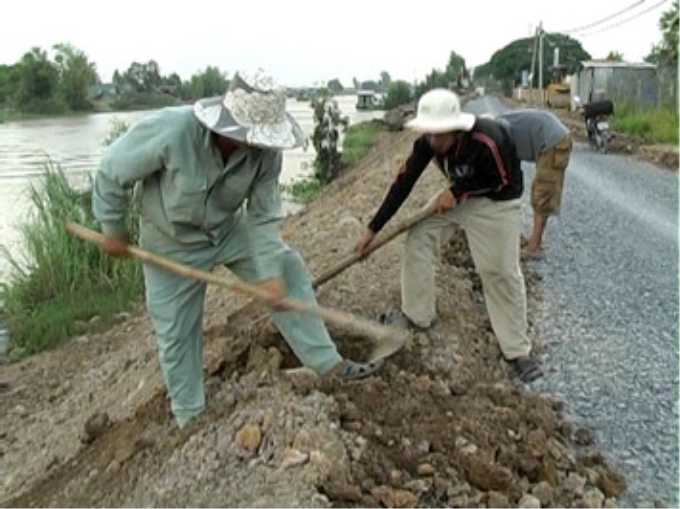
(442, 425)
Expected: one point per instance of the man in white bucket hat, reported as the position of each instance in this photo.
(478, 158)
(206, 181)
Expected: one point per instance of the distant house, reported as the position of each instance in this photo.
(617, 81)
(369, 100)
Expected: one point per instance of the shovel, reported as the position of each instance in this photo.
(388, 340)
(377, 242)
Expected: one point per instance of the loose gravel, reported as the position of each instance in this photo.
(607, 313)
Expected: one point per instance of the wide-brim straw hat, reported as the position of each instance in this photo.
(439, 112)
(253, 111)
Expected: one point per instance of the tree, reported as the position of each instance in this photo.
(328, 120)
(398, 93)
(456, 69)
(436, 79)
(370, 85)
(508, 63)
(335, 86)
(208, 83)
(615, 56)
(6, 74)
(76, 74)
(668, 48)
(385, 80)
(36, 80)
(141, 77)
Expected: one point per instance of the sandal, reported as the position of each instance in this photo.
(350, 370)
(527, 369)
(536, 256)
(395, 317)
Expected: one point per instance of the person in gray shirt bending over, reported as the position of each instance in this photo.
(543, 139)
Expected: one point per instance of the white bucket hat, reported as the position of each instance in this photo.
(253, 111)
(439, 112)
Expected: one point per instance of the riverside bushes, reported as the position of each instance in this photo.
(59, 283)
(357, 142)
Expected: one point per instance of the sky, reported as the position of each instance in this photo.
(306, 42)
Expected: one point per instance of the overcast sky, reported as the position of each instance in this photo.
(304, 42)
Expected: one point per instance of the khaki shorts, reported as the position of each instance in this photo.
(546, 190)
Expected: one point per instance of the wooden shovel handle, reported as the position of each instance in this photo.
(378, 242)
(358, 324)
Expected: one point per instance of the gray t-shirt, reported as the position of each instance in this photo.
(534, 131)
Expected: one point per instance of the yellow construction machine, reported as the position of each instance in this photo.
(558, 92)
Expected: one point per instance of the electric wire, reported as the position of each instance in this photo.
(623, 22)
(603, 20)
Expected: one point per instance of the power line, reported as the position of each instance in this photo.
(615, 25)
(599, 22)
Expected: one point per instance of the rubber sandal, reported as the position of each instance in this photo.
(527, 369)
(350, 370)
(535, 256)
(393, 317)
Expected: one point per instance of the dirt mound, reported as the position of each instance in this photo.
(88, 424)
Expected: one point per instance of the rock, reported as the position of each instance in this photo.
(544, 493)
(497, 499)
(426, 469)
(575, 483)
(249, 437)
(293, 457)
(593, 498)
(584, 436)
(611, 483)
(399, 499)
(488, 476)
(529, 502)
(95, 426)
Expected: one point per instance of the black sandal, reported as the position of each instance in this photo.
(350, 370)
(527, 369)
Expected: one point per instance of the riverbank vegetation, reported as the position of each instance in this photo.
(59, 285)
(330, 128)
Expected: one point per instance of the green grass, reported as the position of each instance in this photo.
(655, 125)
(358, 140)
(59, 283)
(303, 190)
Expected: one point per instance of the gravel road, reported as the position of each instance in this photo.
(609, 315)
(608, 312)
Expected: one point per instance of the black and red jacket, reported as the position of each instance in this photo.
(483, 162)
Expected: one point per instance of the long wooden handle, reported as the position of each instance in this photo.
(359, 325)
(378, 242)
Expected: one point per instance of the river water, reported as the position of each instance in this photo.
(77, 143)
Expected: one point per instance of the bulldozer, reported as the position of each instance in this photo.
(558, 92)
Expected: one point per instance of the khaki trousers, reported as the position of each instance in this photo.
(493, 234)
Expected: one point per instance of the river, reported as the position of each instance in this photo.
(77, 143)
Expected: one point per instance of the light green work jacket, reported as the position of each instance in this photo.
(185, 191)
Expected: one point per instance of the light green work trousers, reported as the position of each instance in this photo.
(493, 231)
(175, 304)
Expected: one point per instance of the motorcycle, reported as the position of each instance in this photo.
(596, 116)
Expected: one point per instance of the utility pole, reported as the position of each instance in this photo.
(540, 61)
(533, 68)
